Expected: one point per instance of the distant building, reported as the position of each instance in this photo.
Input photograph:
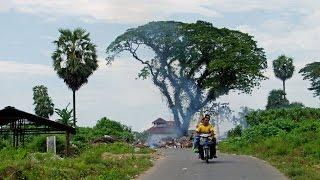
(161, 129)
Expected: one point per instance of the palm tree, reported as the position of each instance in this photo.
(283, 69)
(74, 60)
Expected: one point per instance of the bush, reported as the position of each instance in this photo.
(257, 133)
(103, 127)
(288, 138)
(4, 143)
(293, 114)
(109, 127)
(39, 144)
(235, 132)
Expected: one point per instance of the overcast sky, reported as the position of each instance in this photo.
(28, 27)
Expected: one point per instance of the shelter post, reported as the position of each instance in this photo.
(68, 137)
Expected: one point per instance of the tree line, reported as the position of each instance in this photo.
(192, 64)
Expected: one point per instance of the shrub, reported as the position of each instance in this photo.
(257, 133)
(106, 126)
(293, 114)
(39, 144)
(235, 132)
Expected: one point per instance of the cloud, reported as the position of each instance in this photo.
(127, 11)
(116, 11)
(9, 67)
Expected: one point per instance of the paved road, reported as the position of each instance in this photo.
(180, 164)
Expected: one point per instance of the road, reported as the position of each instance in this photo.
(181, 164)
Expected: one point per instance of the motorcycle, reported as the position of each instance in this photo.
(206, 147)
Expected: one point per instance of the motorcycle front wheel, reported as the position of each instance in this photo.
(206, 155)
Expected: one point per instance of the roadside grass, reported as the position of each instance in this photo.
(90, 164)
(296, 153)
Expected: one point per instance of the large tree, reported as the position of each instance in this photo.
(276, 99)
(311, 72)
(74, 60)
(44, 106)
(192, 64)
(283, 69)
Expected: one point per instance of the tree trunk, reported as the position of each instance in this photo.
(284, 89)
(185, 126)
(217, 128)
(74, 108)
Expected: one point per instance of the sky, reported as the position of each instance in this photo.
(28, 28)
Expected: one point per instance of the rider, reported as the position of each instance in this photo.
(205, 128)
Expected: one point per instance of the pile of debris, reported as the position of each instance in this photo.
(183, 142)
(104, 139)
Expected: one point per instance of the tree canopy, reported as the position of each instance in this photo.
(192, 64)
(44, 106)
(276, 99)
(311, 72)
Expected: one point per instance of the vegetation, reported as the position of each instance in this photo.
(74, 60)
(43, 103)
(311, 72)
(277, 99)
(118, 160)
(197, 62)
(65, 115)
(287, 138)
(283, 69)
(103, 127)
(105, 161)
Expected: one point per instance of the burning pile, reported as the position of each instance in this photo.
(183, 142)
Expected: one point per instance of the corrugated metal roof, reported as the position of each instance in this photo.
(11, 114)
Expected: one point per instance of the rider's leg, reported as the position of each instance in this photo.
(214, 140)
(196, 144)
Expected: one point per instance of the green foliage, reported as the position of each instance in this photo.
(75, 57)
(103, 127)
(311, 72)
(39, 144)
(106, 126)
(235, 132)
(65, 115)
(256, 133)
(4, 143)
(289, 138)
(276, 99)
(294, 114)
(283, 67)
(43, 103)
(296, 105)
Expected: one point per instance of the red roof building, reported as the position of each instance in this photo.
(161, 129)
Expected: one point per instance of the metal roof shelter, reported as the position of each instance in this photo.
(19, 124)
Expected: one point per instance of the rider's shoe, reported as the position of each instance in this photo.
(215, 156)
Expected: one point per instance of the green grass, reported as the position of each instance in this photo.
(291, 146)
(90, 164)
